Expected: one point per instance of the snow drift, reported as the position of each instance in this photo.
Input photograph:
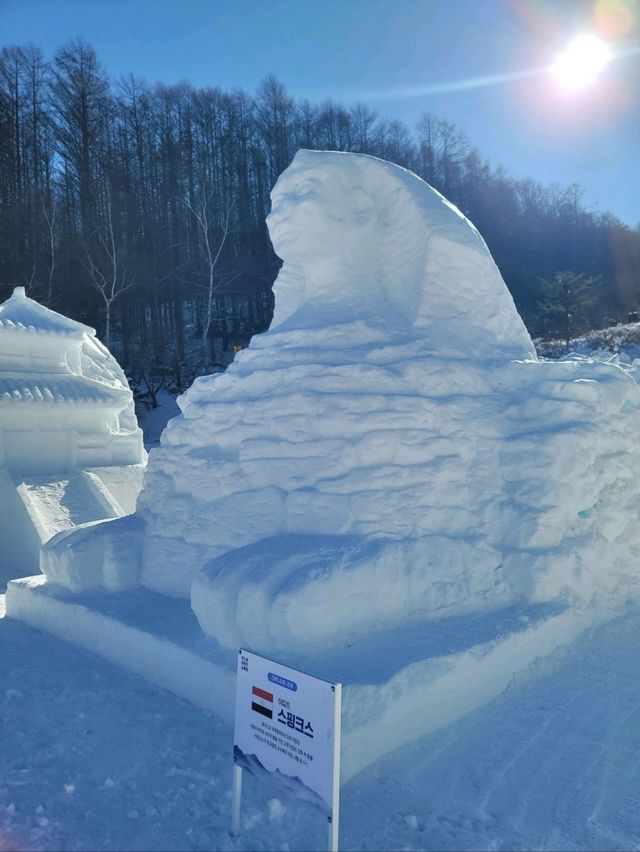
(391, 450)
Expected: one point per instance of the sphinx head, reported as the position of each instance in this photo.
(353, 236)
(321, 213)
(324, 224)
(366, 240)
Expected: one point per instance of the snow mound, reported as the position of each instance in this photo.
(97, 554)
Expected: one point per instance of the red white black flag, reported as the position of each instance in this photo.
(262, 702)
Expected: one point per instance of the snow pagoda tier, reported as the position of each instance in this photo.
(64, 401)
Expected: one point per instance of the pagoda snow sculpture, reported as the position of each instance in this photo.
(66, 411)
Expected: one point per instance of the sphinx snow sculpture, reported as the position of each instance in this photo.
(327, 423)
(391, 449)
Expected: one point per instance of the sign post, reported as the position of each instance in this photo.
(236, 800)
(287, 728)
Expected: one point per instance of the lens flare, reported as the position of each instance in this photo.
(615, 18)
(581, 62)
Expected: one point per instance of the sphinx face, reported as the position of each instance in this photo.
(320, 215)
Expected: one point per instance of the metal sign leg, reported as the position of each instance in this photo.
(236, 800)
(334, 825)
(333, 836)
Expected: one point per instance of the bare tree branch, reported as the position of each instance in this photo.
(109, 280)
(201, 215)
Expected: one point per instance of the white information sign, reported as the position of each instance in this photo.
(287, 724)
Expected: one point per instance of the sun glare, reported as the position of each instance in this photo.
(581, 62)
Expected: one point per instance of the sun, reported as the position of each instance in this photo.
(581, 62)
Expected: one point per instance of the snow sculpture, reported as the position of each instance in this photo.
(381, 430)
(64, 401)
(70, 447)
(391, 450)
(321, 426)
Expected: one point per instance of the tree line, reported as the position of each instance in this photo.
(140, 208)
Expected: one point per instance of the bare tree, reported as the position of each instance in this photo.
(79, 102)
(50, 236)
(28, 282)
(201, 213)
(427, 132)
(107, 275)
(275, 114)
(363, 120)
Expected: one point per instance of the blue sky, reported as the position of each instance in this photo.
(395, 55)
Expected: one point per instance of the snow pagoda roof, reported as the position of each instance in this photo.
(20, 313)
(60, 389)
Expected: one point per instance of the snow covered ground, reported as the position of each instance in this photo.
(621, 340)
(94, 758)
(153, 420)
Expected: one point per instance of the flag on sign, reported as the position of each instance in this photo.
(262, 702)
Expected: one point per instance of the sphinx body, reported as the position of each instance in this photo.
(391, 449)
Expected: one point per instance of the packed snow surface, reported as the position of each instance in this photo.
(92, 757)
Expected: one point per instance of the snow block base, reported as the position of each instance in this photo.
(397, 686)
(149, 634)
